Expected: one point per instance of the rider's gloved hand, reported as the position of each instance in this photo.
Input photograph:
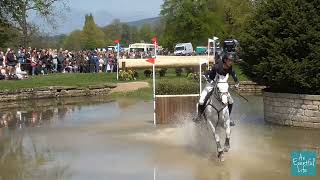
(237, 86)
(206, 78)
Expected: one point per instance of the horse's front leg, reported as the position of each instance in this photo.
(226, 119)
(217, 139)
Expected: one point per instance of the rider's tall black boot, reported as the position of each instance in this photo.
(232, 123)
(200, 112)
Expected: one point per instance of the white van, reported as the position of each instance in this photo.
(183, 49)
(141, 47)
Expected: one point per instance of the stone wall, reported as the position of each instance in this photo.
(54, 92)
(292, 109)
(249, 87)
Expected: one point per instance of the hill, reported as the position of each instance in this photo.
(139, 23)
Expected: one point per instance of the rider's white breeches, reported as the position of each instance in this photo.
(204, 93)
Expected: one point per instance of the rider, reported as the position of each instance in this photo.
(219, 74)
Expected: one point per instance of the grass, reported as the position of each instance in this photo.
(83, 80)
(79, 80)
(140, 94)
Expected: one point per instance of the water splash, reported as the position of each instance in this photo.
(185, 133)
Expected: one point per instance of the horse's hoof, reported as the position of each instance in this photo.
(196, 120)
(227, 145)
(221, 156)
(226, 149)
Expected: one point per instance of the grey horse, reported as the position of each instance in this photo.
(215, 115)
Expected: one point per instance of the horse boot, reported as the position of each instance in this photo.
(200, 112)
(227, 145)
(232, 123)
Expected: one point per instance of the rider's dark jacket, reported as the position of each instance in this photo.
(218, 69)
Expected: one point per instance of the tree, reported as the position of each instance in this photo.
(92, 36)
(196, 20)
(146, 33)
(113, 31)
(73, 42)
(129, 34)
(190, 21)
(281, 45)
(235, 13)
(8, 8)
(7, 32)
(16, 13)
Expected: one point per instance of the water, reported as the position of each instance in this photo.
(94, 138)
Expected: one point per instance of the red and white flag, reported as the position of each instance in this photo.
(151, 60)
(117, 41)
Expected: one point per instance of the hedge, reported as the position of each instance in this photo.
(281, 46)
(176, 87)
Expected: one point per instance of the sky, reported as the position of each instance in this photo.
(104, 11)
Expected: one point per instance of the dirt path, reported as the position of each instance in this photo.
(131, 86)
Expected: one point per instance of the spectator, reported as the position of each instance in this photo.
(55, 61)
(101, 63)
(2, 59)
(22, 57)
(34, 62)
(96, 62)
(19, 73)
(60, 61)
(110, 63)
(92, 62)
(11, 62)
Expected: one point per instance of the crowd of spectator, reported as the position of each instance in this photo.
(24, 62)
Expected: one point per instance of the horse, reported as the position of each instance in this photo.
(216, 114)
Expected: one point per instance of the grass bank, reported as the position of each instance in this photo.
(83, 80)
(140, 94)
(79, 80)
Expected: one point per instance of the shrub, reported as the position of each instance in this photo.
(127, 75)
(147, 73)
(281, 46)
(163, 72)
(136, 74)
(189, 70)
(193, 76)
(179, 71)
(176, 87)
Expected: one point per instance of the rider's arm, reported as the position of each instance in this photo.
(212, 73)
(234, 76)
